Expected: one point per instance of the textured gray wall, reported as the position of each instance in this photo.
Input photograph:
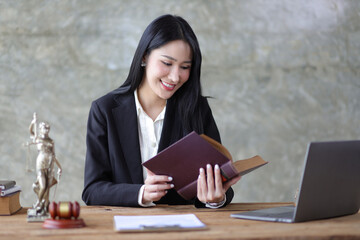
(282, 73)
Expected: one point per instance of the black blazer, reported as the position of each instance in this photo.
(113, 170)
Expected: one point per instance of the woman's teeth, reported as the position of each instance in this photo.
(168, 85)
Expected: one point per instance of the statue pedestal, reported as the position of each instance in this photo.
(34, 216)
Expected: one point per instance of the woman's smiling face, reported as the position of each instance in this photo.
(167, 69)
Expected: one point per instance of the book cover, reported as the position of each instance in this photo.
(10, 204)
(5, 184)
(183, 159)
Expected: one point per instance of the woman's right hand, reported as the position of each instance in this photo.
(156, 186)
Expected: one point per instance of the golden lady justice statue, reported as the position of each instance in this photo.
(39, 134)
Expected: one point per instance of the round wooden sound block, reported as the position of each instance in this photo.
(63, 223)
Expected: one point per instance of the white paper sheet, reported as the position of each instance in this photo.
(157, 222)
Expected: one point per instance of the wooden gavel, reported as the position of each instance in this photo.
(64, 210)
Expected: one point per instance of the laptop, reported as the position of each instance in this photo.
(329, 187)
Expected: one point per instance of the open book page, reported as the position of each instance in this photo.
(241, 167)
(176, 222)
(247, 165)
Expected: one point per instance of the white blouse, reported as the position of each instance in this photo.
(149, 138)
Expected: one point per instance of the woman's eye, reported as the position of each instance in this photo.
(185, 67)
(166, 63)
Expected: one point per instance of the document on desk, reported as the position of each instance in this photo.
(177, 222)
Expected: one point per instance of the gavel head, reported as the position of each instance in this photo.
(64, 210)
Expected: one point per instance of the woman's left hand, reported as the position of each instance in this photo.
(210, 188)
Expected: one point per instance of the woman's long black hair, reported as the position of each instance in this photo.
(160, 31)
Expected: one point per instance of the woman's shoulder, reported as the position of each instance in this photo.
(114, 97)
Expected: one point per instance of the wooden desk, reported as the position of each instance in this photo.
(99, 221)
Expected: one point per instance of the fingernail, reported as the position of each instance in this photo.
(208, 166)
(216, 166)
(201, 170)
(170, 178)
(172, 185)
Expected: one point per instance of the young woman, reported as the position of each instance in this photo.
(159, 103)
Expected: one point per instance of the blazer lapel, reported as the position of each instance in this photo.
(127, 128)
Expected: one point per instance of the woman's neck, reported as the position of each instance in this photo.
(150, 102)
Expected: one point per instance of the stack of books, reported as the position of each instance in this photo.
(9, 197)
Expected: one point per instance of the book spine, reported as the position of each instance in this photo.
(189, 191)
(10, 190)
(7, 184)
(228, 171)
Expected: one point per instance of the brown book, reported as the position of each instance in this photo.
(10, 204)
(183, 159)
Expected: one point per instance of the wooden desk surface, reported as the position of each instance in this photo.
(99, 221)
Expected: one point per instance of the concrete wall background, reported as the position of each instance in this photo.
(282, 73)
